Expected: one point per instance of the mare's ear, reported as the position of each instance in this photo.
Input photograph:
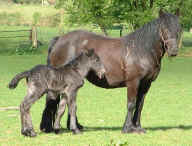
(177, 13)
(161, 13)
(90, 52)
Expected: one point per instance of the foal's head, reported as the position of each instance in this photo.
(95, 63)
(170, 32)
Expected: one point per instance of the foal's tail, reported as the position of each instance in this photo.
(17, 78)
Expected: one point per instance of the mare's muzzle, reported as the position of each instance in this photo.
(172, 47)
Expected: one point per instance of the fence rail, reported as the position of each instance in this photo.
(13, 37)
(15, 30)
(32, 36)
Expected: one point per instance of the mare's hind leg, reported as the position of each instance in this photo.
(33, 94)
(132, 88)
(142, 91)
(60, 112)
(49, 113)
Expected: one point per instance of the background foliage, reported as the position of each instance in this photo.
(106, 13)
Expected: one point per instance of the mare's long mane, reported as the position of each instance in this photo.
(142, 40)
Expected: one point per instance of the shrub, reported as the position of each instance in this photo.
(25, 48)
(27, 1)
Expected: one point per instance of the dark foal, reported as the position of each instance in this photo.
(132, 61)
(64, 80)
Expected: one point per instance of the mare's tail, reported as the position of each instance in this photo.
(17, 78)
(52, 43)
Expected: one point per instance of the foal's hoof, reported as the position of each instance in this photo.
(79, 126)
(28, 132)
(76, 131)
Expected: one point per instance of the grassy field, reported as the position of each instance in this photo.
(166, 115)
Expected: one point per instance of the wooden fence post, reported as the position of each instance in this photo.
(181, 41)
(34, 37)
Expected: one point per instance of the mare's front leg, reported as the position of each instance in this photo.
(132, 88)
(49, 113)
(33, 95)
(142, 91)
(60, 112)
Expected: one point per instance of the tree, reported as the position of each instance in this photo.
(87, 11)
(106, 13)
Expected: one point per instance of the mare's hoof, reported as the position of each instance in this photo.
(29, 132)
(76, 131)
(140, 130)
(57, 131)
(46, 127)
(133, 129)
(46, 130)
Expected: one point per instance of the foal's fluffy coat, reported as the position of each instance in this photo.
(65, 80)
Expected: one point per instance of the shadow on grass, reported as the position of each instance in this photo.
(90, 129)
(187, 43)
(164, 128)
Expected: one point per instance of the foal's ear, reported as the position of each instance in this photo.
(161, 13)
(90, 52)
(177, 13)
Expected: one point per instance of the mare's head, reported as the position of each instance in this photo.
(170, 32)
(95, 63)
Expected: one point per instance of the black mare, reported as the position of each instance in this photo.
(132, 61)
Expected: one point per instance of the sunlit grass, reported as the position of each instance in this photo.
(166, 115)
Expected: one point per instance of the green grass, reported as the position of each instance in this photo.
(166, 115)
(186, 49)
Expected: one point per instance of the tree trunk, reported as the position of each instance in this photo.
(135, 3)
(144, 5)
(190, 30)
(103, 30)
(151, 3)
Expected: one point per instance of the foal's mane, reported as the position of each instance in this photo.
(74, 61)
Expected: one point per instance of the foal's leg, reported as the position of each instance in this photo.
(26, 122)
(68, 122)
(48, 117)
(72, 111)
(143, 89)
(132, 87)
(60, 112)
(49, 113)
